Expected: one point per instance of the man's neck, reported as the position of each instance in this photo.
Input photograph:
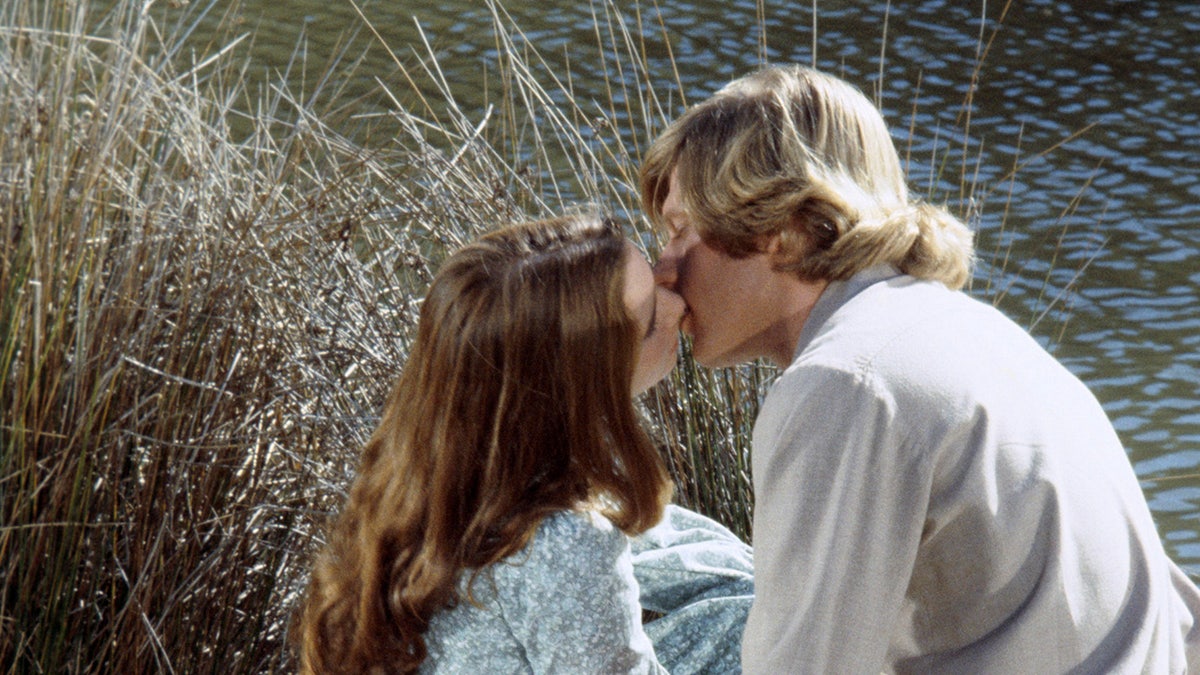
(797, 308)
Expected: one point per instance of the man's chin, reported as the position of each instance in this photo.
(701, 353)
(704, 358)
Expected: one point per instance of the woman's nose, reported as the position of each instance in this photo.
(673, 305)
(666, 270)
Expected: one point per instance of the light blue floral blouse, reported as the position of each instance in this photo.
(572, 601)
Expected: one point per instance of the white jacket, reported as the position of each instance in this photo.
(935, 493)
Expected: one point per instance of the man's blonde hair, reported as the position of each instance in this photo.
(795, 153)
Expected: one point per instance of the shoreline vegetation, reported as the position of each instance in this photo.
(206, 290)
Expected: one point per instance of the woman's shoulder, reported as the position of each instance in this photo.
(564, 536)
(578, 522)
(570, 554)
(529, 606)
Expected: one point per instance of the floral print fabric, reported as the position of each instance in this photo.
(572, 601)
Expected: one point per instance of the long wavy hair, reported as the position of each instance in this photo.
(791, 152)
(515, 403)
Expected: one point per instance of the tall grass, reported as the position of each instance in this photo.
(197, 326)
(207, 288)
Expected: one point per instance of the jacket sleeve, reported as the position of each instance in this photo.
(839, 506)
(688, 558)
(700, 577)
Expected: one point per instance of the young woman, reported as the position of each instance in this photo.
(489, 528)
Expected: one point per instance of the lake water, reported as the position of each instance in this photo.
(1101, 235)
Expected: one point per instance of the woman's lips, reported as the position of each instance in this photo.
(685, 323)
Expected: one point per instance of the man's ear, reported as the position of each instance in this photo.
(787, 246)
(777, 249)
(771, 244)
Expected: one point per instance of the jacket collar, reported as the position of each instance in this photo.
(836, 294)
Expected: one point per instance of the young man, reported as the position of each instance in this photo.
(934, 492)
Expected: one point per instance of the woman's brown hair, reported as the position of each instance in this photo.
(793, 153)
(515, 402)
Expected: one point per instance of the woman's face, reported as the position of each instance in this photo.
(657, 312)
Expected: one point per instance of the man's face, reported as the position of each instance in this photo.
(735, 305)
